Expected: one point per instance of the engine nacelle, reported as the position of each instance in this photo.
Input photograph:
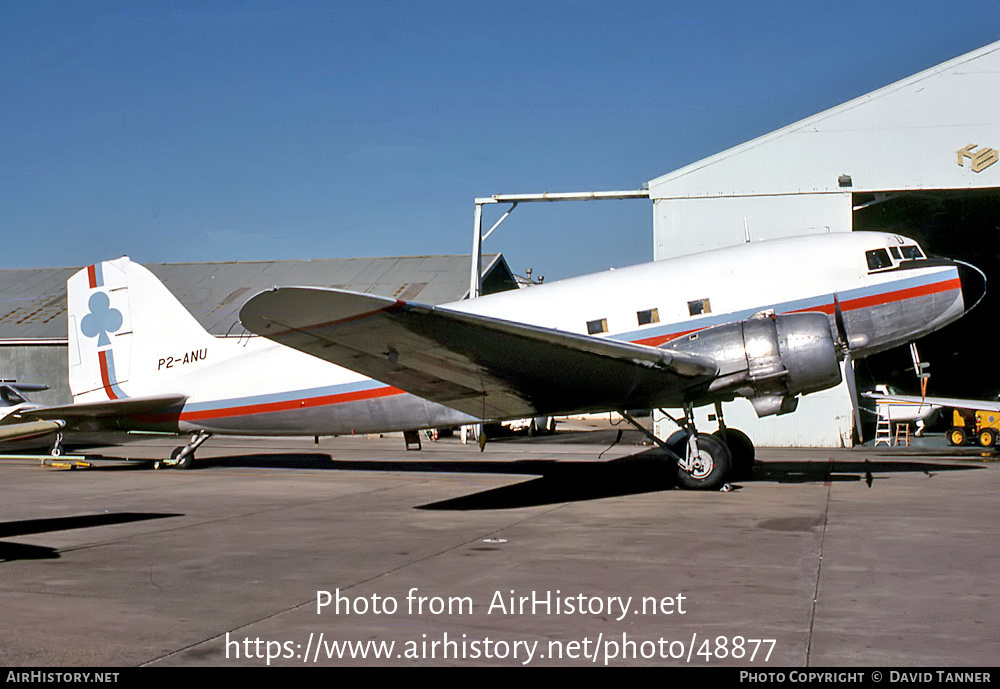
(769, 359)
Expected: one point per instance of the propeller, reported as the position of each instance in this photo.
(852, 385)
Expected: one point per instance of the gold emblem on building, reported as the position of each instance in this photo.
(978, 160)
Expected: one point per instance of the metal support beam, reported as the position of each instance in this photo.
(476, 278)
(475, 284)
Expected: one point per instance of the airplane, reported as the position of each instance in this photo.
(889, 405)
(12, 401)
(767, 321)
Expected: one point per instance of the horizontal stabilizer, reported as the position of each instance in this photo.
(107, 408)
(483, 366)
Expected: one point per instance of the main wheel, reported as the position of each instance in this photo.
(986, 437)
(957, 436)
(710, 467)
(742, 451)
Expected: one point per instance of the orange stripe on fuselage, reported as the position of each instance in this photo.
(849, 305)
(288, 405)
(910, 293)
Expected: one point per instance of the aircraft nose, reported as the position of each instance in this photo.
(973, 284)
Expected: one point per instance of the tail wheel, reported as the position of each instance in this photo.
(957, 436)
(987, 437)
(183, 463)
(708, 467)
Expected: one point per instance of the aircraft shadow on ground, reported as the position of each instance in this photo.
(631, 476)
(559, 481)
(25, 527)
(555, 480)
(850, 471)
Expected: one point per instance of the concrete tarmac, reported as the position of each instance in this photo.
(536, 553)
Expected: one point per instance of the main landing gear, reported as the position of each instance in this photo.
(183, 457)
(705, 461)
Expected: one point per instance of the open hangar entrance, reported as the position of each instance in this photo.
(960, 224)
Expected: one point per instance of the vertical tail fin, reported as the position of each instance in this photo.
(128, 335)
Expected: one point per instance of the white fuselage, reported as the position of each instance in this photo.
(251, 385)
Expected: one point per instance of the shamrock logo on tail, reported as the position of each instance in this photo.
(101, 320)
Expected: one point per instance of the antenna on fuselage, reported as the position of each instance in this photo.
(746, 229)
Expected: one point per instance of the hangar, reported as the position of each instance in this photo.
(33, 338)
(918, 157)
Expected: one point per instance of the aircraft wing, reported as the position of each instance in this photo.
(486, 367)
(950, 402)
(33, 422)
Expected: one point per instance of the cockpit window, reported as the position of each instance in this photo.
(895, 252)
(912, 252)
(877, 259)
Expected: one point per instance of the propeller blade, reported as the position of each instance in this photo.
(838, 317)
(852, 388)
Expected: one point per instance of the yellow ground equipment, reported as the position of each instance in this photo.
(981, 426)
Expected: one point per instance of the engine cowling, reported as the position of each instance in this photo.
(768, 359)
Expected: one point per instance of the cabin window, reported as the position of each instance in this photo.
(877, 259)
(647, 317)
(597, 327)
(912, 252)
(699, 306)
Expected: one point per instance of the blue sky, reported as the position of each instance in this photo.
(195, 131)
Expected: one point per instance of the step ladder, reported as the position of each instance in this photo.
(902, 433)
(883, 432)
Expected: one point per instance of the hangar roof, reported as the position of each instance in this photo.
(33, 301)
(939, 129)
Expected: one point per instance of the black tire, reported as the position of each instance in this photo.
(987, 437)
(677, 441)
(712, 466)
(742, 451)
(186, 462)
(957, 436)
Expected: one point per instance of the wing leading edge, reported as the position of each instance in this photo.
(486, 367)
